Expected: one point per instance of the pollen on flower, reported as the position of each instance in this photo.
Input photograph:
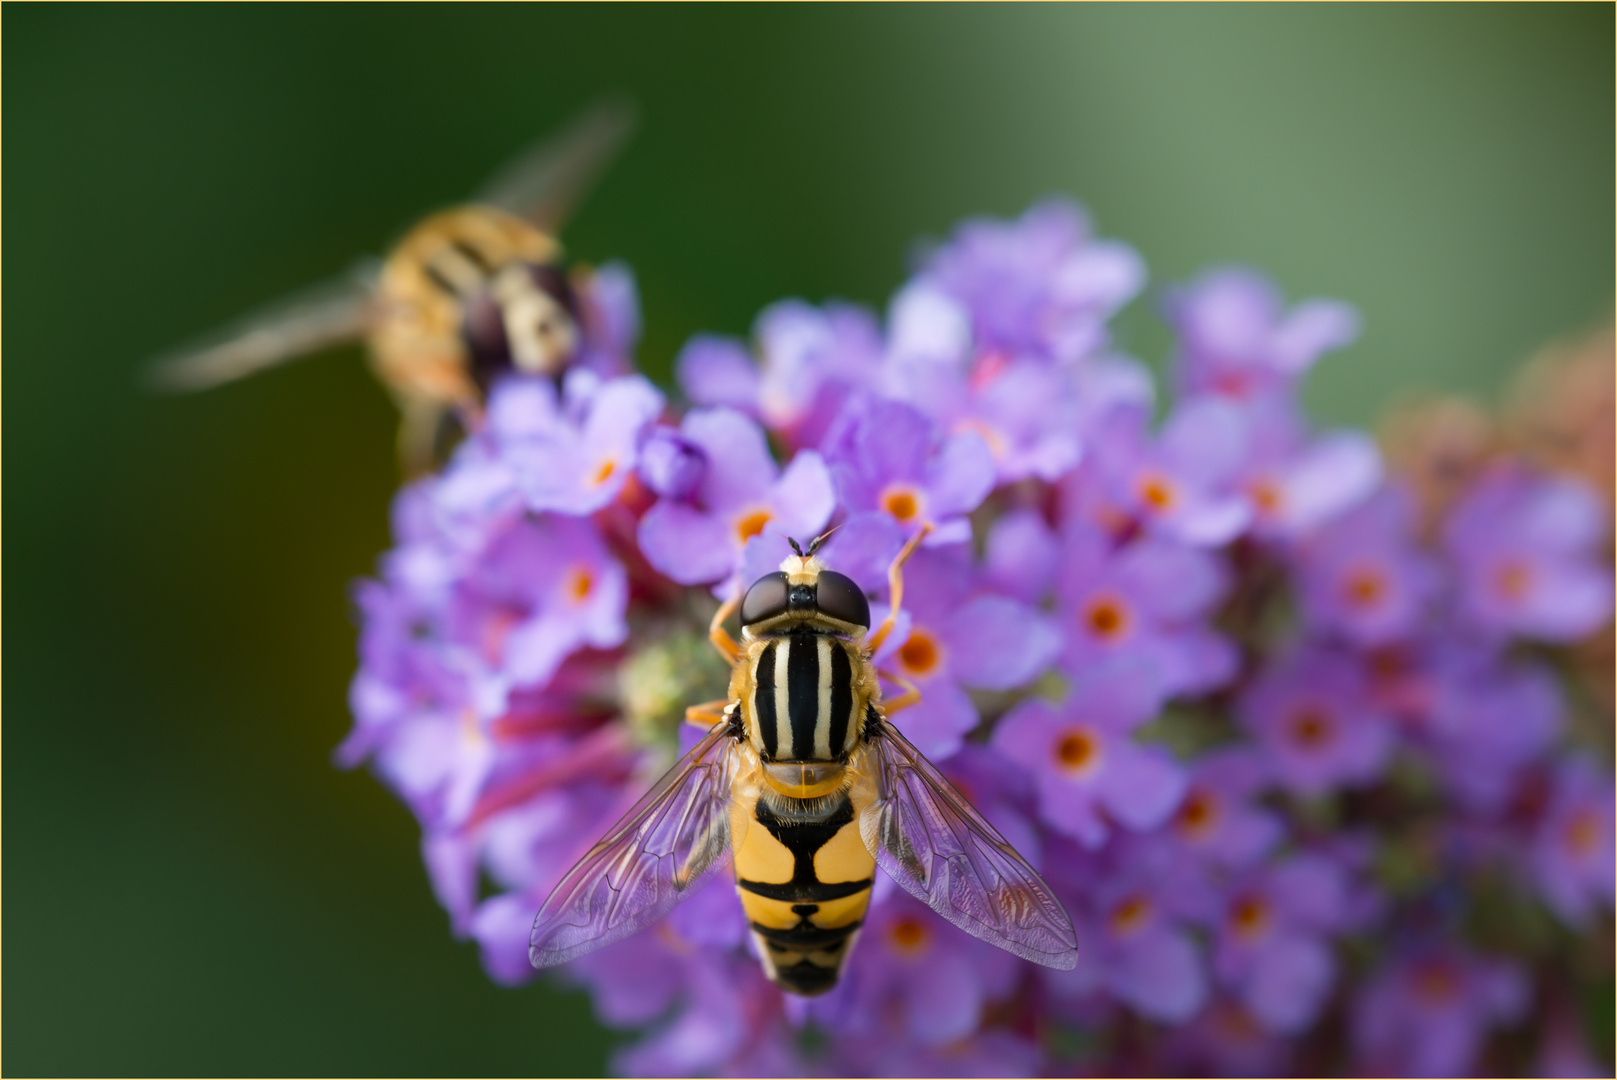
(1131, 914)
(604, 472)
(1106, 617)
(1266, 497)
(751, 524)
(1198, 814)
(1513, 580)
(1310, 727)
(1436, 982)
(1365, 586)
(904, 503)
(1157, 492)
(1250, 916)
(919, 655)
(579, 584)
(1078, 750)
(1583, 833)
(908, 935)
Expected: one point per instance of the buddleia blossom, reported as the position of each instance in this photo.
(1287, 726)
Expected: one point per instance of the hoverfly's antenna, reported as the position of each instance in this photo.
(822, 538)
(797, 549)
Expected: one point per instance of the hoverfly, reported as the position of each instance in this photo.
(468, 294)
(804, 784)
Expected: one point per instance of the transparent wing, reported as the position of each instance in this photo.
(664, 849)
(943, 852)
(546, 182)
(314, 318)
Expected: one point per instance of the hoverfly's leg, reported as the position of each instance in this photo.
(910, 696)
(719, 636)
(708, 713)
(895, 590)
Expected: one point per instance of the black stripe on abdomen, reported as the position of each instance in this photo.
(804, 892)
(806, 937)
(802, 695)
(763, 699)
(841, 697)
(806, 978)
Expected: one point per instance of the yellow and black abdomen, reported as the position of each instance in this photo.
(804, 876)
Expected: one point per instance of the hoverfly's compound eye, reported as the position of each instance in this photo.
(837, 596)
(767, 598)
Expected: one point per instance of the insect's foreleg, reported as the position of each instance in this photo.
(719, 636)
(708, 713)
(910, 696)
(895, 589)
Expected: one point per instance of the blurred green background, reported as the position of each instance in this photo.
(193, 887)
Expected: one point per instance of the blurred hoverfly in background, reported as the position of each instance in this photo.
(468, 293)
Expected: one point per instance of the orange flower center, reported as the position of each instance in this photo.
(1130, 914)
(903, 503)
(1311, 727)
(1157, 493)
(1436, 982)
(1365, 587)
(919, 655)
(1249, 916)
(1199, 812)
(1106, 617)
(908, 935)
(1077, 750)
(578, 585)
(1583, 833)
(1513, 580)
(752, 523)
(603, 472)
(1266, 497)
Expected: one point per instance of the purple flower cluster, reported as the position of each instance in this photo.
(1305, 771)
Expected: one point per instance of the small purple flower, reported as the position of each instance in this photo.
(1297, 482)
(742, 492)
(1142, 601)
(888, 457)
(1219, 820)
(1029, 414)
(1040, 285)
(1572, 853)
(1486, 718)
(1426, 1012)
(570, 455)
(1273, 938)
(1180, 484)
(1363, 577)
(1524, 546)
(811, 359)
(1235, 339)
(1313, 715)
(956, 640)
(544, 588)
(1133, 902)
(1087, 769)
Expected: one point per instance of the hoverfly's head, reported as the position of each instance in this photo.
(804, 591)
(522, 318)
